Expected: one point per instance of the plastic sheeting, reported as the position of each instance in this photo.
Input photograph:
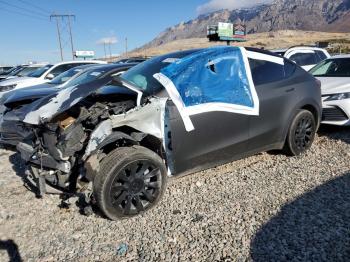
(213, 79)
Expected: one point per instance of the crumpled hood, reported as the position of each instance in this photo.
(334, 85)
(46, 108)
(29, 93)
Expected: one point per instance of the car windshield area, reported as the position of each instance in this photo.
(26, 71)
(87, 76)
(64, 77)
(142, 74)
(15, 71)
(337, 67)
(40, 71)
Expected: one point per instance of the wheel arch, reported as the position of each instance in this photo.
(130, 138)
(308, 105)
(314, 111)
(121, 138)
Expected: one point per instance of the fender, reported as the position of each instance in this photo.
(92, 163)
(302, 105)
(113, 138)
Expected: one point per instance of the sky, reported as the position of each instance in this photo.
(27, 34)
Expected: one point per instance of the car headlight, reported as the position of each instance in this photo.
(340, 96)
(7, 88)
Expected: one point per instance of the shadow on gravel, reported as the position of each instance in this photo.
(314, 227)
(12, 250)
(335, 132)
(19, 167)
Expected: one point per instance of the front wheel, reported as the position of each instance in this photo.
(131, 181)
(301, 133)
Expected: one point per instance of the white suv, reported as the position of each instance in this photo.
(42, 75)
(305, 56)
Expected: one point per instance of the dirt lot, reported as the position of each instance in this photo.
(264, 208)
(271, 40)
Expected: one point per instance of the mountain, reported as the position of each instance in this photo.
(310, 15)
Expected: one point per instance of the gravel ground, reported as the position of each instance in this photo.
(264, 208)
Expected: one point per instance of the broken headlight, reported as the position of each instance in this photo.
(7, 88)
(340, 96)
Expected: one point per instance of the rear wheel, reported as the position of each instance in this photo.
(301, 133)
(131, 181)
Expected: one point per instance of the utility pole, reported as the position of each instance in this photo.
(110, 50)
(104, 48)
(126, 47)
(59, 38)
(71, 37)
(63, 18)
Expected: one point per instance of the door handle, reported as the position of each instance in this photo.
(290, 90)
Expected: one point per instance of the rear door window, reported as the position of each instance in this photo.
(304, 59)
(265, 72)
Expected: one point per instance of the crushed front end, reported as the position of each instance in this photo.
(54, 156)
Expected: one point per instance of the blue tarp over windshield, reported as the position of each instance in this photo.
(213, 75)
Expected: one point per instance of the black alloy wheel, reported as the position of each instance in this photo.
(135, 187)
(304, 132)
(301, 133)
(131, 180)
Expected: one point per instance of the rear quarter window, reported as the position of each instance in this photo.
(265, 72)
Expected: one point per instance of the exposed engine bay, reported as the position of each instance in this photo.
(61, 147)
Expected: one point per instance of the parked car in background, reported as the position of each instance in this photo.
(64, 79)
(12, 131)
(305, 56)
(42, 75)
(8, 71)
(334, 74)
(5, 69)
(119, 138)
(21, 71)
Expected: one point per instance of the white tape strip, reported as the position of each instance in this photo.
(261, 56)
(176, 98)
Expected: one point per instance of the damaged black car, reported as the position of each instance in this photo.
(118, 141)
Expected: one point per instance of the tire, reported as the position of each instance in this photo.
(131, 181)
(301, 133)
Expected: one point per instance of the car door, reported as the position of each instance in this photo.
(218, 137)
(275, 85)
(209, 109)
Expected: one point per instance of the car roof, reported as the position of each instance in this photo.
(111, 67)
(306, 48)
(86, 66)
(80, 61)
(262, 51)
(279, 50)
(340, 56)
(36, 65)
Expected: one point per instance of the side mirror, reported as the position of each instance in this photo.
(50, 76)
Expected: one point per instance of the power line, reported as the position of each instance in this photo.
(35, 6)
(24, 9)
(23, 14)
(65, 25)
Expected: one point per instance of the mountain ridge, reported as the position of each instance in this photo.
(308, 15)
